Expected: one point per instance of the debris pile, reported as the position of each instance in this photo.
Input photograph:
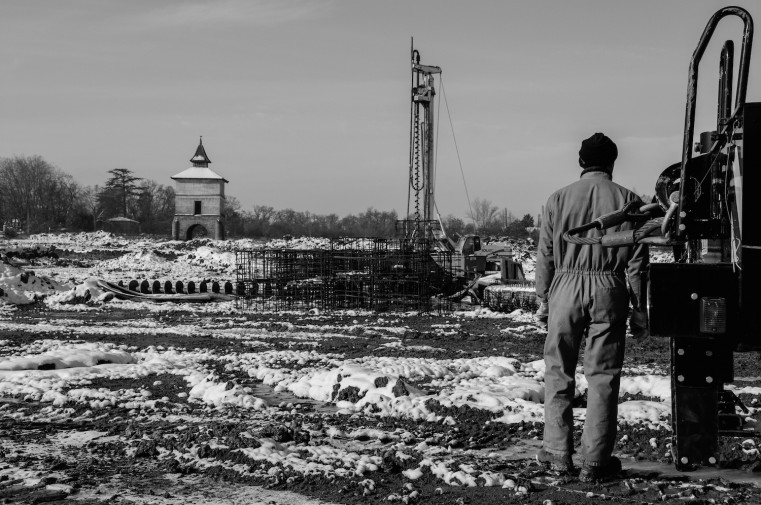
(19, 287)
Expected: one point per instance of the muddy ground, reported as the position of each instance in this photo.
(142, 456)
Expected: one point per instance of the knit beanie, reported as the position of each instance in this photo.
(597, 150)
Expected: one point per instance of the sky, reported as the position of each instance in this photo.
(304, 104)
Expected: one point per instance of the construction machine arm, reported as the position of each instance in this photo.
(692, 92)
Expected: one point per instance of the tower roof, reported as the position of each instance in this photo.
(200, 159)
(196, 172)
(200, 168)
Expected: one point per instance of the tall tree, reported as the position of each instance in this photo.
(519, 228)
(527, 221)
(123, 187)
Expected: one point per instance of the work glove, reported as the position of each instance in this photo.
(542, 313)
(638, 325)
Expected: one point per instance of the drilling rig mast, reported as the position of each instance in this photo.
(421, 223)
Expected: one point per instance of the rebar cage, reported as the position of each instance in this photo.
(511, 295)
(364, 273)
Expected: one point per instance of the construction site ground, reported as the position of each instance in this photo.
(175, 451)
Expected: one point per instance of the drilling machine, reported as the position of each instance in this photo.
(707, 301)
(470, 259)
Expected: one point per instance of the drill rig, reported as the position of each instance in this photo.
(422, 170)
(470, 261)
(707, 301)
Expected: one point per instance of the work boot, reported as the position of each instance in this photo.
(601, 473)
(561, 464)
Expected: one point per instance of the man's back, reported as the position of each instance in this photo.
(581, 202)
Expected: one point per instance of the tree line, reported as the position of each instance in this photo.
(486, 219)
(37, 197)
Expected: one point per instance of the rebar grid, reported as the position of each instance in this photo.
(364, 273)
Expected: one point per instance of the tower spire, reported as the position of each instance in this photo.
(200, 159)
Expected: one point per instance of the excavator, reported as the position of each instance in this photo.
(707, 300)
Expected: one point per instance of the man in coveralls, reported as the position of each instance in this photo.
(582, 291)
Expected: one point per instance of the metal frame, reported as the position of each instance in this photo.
(365, 273)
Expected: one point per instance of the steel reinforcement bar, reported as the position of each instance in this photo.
(371, 274)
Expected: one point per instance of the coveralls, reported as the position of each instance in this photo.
(586, 287)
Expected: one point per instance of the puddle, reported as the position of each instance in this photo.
(273, 397)
(664, 470)
(15, 401)
(527, 449)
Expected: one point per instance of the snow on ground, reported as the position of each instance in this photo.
(83, 355)
(65, 365)
(58, 375)
(212, 392)
(379, 386)
(81, 242)
(19, 287)
(202, 490)
(127, 259)
(202, 263)
(495, 384)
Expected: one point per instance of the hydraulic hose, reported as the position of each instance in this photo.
(632, 211)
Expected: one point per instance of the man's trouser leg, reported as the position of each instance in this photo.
(565, 329)
(603, 359)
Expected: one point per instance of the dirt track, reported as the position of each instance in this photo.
(177, 451)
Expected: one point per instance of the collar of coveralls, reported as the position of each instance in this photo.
(596, 171)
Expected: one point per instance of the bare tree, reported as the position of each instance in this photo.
(258, 220)
(483, 213)
(232, 216)
(155, 206)
(35, 192)
(91, 203)
(63, 193)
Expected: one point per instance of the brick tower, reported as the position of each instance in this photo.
(199, 200)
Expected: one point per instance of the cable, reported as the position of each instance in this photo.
(631, 212)
(734, 242)
(457, 149)
(412, 119)
(436, 144)
(648, 228)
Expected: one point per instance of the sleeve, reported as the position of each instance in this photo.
(545, 261)
(636, 274)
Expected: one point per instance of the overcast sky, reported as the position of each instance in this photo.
(304, 104)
